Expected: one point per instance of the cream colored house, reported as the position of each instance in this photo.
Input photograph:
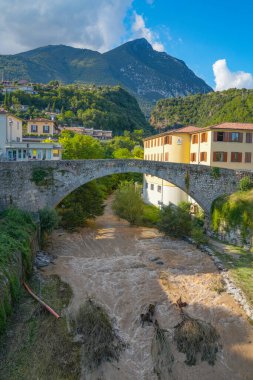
(41, 127)
(227, 145)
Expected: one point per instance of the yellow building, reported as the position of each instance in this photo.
(227, 145)
(41, 127)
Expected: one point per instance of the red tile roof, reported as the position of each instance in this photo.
(240, 126)
(188, 129)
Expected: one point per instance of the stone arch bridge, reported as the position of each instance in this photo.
(36, 184)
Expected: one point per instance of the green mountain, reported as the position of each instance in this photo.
(144, 72)
(204, 110)
(103, 107)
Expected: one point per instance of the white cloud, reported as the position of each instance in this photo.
(225, 79)
(140, 30)
(97, 25)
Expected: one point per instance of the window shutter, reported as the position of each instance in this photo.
(240, 138)
(205, 156)
(232, 156)
(230, 136)
(225, 156)
(248, 137)
(215, 137)
(240, 157)
(214, 154)
(226, 136)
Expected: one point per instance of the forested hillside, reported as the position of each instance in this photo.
(104, 107)
(204, 109)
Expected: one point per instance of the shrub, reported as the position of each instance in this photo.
(215, 172)
(128, 203)
(245, 183)
(175, 221)
(199, 236)
(49, 219)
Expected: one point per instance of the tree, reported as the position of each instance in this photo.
(175, 221)
(81, 147)
(128, 203)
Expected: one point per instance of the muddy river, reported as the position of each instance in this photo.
(127, 268)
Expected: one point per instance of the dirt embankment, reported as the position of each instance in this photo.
(125, 269)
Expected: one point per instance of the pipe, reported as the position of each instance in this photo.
(57, 316)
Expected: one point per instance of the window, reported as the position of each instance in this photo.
(159, 189)
(248, 157)
(152, 186)
(34, 128)
(236, 157)
(166, 156)
(234, 137)
(248, 137)
(203, 156)
(146, 185)
(19, 154)
(168, 140)
(56, 153)
(45, 128)
(155, 157)
(193, 157)
(195, 139)
(220, 156)
(203, 137)
(220, 136)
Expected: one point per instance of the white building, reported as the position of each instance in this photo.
(13, 148)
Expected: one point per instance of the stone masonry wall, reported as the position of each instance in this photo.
(62, 177)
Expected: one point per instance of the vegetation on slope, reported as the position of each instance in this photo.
(36, 345)
(107, 108)
(16, 228)
(204, 109)
(234, 211)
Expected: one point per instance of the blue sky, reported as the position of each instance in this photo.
(213, 37)
(202, 32)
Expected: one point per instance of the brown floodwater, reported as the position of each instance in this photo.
(111, 262)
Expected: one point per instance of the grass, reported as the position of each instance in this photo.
(36, 345)
(16, 231)
(240, 266)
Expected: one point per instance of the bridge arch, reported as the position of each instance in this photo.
(17, 185)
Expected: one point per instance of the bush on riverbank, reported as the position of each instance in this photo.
(234, 212)
(127, 203)
(175, 221)
(16, 229)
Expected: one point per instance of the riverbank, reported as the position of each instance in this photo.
(127, 268)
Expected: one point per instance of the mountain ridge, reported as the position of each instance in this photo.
(135, 65)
